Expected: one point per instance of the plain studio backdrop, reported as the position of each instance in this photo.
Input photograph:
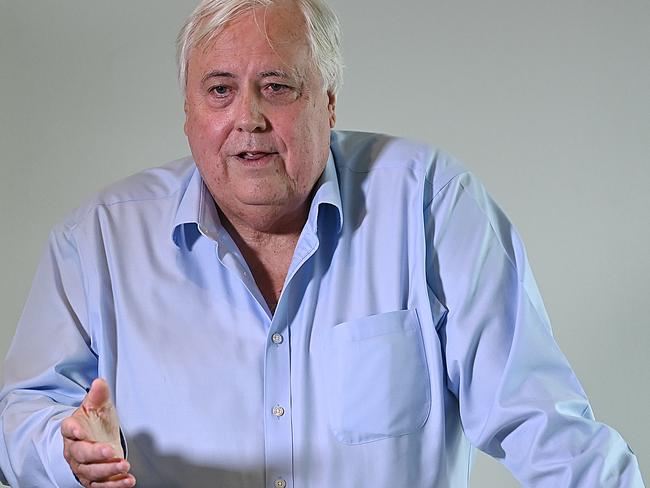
(547, 102)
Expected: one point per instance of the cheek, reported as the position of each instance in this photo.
(308, 139)
(204, 135)
(311, 127)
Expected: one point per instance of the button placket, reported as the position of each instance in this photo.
(277, 377)
(277, 384)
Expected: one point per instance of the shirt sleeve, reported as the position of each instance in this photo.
(49, 366)
(519, 399)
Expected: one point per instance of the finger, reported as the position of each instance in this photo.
(72, 428)
(85, 452)
(127, 482)
(98, 395)
(108, 471)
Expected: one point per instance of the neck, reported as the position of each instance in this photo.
(261, 224)
(267, 243)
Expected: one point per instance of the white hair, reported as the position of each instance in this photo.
(323, 34)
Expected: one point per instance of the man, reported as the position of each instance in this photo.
(291, 306)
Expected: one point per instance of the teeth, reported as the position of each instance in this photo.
(253, 154)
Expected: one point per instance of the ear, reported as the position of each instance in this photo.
(331, 108)
(186, 109)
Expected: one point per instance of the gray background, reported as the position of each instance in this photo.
(548, 102)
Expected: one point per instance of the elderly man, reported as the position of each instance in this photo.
(291, 306)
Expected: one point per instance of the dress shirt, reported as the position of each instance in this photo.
(409, 330)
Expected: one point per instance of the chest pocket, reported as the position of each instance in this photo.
(378, 381)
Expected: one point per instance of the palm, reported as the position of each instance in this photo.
(97, 417)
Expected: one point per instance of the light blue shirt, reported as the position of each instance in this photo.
(409, 329)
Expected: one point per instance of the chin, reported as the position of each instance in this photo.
(259, 199)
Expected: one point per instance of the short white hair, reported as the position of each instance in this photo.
(323, 34)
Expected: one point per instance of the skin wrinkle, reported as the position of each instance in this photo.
(264, 29)
(209, 38)
(263, 198)
(254, 138)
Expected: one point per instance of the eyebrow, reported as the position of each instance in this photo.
(217, 74)
(262, 74)
(275, 74)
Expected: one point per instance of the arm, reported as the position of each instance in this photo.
(520, 402)
(48, 370)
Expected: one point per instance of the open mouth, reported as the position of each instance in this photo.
(254, 155)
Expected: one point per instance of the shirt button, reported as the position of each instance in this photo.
(277, 338)
(280, 483)
(278, 411)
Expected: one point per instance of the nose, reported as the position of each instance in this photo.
(250, 116)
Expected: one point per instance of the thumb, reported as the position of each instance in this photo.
(99, 395)
(100, 417)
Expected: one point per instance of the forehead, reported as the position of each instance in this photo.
(275, 33)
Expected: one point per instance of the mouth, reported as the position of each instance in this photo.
(254, 155)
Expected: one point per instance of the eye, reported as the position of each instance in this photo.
(277, 87)
(220, 90)
(279, 93)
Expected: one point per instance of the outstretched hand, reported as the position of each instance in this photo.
(91, 442)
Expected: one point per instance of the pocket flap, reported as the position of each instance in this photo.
(375, 325)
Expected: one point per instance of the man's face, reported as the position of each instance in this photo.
(257, 116)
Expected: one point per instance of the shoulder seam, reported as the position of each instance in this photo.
(494, 232)
(73, 225)
(445, 185)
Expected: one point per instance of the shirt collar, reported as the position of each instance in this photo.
(197, 213)
(326, 193)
